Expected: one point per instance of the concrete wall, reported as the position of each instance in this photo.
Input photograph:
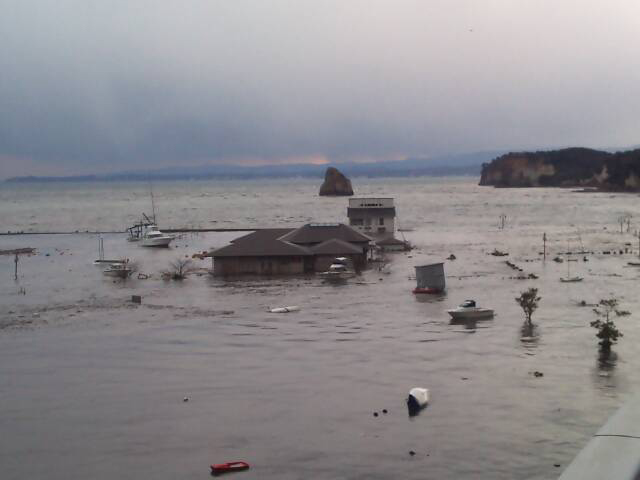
(613, 452)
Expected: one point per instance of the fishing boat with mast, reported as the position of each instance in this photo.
(146, 231)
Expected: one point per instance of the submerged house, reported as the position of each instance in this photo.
(286, 251)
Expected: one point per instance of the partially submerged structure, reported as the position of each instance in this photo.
(286, 251)
(372, 216)
(430, 278)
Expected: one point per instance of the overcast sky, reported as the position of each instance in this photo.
(103, 85)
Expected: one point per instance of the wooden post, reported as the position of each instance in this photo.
(544, 246)
(15, 275)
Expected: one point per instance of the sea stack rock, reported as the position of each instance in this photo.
(335, 184)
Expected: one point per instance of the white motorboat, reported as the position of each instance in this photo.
(118, 269)
(469, 311)
(338, 270)
(152, 237)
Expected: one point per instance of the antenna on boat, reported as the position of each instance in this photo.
(153, 205)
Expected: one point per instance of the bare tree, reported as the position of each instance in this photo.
(180, 268)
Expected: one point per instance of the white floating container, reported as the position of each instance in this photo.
(292, 308)
(418, 398)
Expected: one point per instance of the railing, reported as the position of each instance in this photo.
(614, 452)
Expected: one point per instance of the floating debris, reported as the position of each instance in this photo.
(418, 399)
(220, 468)
(292, 308)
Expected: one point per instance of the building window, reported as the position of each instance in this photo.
(357, 221)
(381, 221)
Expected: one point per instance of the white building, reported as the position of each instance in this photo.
(374, 217)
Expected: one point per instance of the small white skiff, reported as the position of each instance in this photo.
(469, 311)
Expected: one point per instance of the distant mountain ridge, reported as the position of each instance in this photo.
(460, 164)
(568, 167)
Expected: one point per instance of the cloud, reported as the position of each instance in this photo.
(92, 86)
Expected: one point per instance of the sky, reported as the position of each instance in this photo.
(98, 86)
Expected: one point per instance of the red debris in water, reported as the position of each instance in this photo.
(220, 468)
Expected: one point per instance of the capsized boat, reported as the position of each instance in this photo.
(468, 310)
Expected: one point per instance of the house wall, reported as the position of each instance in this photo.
(281, 265)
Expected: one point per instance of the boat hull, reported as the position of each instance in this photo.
(161, 242)
(336, 276)
(475, 314)
(118, 272)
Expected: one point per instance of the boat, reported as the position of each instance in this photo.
(118, 269)
(153, 237)
(430, 279)
(468, 310)
(569, 278)
(146, 231)
(101, 260)
(338, 270)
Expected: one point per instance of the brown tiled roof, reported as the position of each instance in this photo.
(262, 243)
(318, 233)
(335, 247)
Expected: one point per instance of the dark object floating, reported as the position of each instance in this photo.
(451, 257)
(538, 374)
(375, 414)
(498, 253)
(430, 278)
(412, 453)
(384, 410)
(220, 468)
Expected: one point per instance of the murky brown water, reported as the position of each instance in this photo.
(92, 386)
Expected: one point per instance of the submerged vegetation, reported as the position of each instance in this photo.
(607, 331)
(528, 301)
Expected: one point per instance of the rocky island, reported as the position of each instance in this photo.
(569, 167)
(335, 184)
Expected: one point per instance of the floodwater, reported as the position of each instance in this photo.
(92, 386)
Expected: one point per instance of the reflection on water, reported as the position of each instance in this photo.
(529, 335)
(607, 360)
